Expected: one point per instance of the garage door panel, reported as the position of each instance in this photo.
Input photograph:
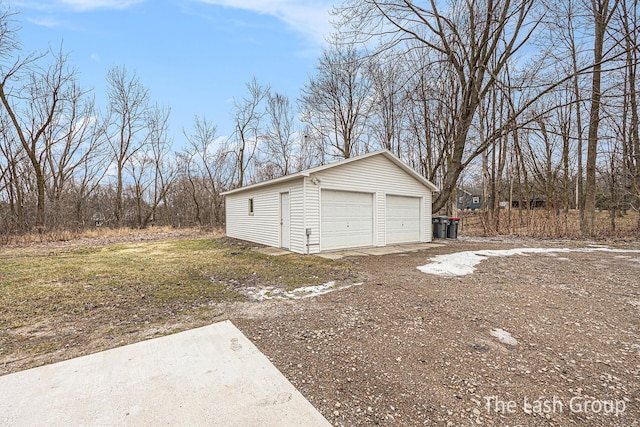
(346, 219)
(402, 219)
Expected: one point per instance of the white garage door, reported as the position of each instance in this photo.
(346, 220)
(403, 219)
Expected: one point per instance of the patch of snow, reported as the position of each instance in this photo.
(503, 336)
(271, 292)
(313, 291)
(456, 264)
(607, 249)
(463, 263)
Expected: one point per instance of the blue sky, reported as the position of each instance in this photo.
(195, 56)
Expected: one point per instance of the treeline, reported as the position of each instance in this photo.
(522, 101)
(67, 163)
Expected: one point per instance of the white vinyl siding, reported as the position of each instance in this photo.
(376, 175)
(297, 237)
(346, 219)
(264, 225)
(402, 219)
(312, 214)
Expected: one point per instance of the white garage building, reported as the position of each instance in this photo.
(369, 200)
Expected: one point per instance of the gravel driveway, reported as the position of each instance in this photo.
(537, 339)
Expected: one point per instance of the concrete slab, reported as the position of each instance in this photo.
(272, 251)
(382, 250)
(207, 376)
(421, 246)
(330, 255)
(379, 250)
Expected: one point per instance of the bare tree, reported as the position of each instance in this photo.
(126, 125)
(493, 113)
(476, 39)
(247, 118)
(12, 179)
(164, 169)
(602, 12)
(628, 23)
(388, 110)
(136, 189)
(90, 173)
(431, 103)
(73, 140)
(152, 169)
(335, 103)
(567, 26)
(209, 170)
(33, 95)
(279, 140)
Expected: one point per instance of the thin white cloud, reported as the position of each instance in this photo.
(82, 5)
(45, 21)
(309, 17)
(75, 5)
(95, 57)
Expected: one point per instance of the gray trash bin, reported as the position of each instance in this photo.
(440, 224)
(435, 226)
(452, 228)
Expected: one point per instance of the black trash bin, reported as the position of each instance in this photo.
(435, 227)
(452, 228)
(440, 224)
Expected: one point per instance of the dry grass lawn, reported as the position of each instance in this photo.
(542, 223)
(59, 302)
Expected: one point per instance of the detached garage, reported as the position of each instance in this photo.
(369, 200)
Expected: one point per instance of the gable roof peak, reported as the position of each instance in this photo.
(305, 173)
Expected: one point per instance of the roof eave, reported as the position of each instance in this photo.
(321, 168)
(267, 183)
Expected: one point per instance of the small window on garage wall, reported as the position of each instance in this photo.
(250, 206)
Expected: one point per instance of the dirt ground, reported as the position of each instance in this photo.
(408, 348)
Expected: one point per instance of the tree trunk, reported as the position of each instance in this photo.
(40, 207)
(455, 164)
(613, 205)
(19, 199)
(119, 208)
(579, 149)
(600, 12)
(634, 146)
